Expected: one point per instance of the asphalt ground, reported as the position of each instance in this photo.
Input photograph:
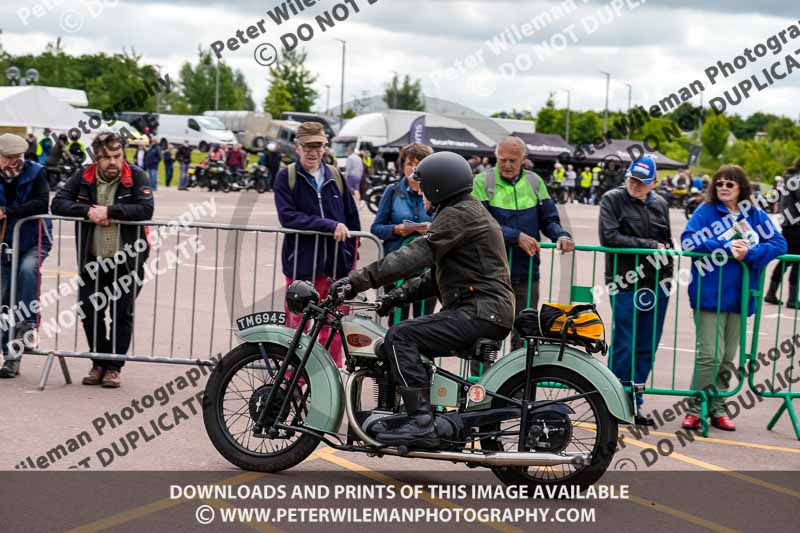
(234, 275)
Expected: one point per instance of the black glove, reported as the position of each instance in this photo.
(343, 289)
(389, 301)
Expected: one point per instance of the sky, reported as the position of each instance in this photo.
(656, 46)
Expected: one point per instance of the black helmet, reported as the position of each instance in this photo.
(443, 175)
(299, 295)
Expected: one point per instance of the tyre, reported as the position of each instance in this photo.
(224, 186)
(592, 429)
(261, 186)
(373, 200)
(203, 146)
(236, 388)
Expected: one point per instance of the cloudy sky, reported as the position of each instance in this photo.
(657, 46)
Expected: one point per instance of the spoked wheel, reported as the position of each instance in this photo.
(590, 429)
(374, 200)
(234, 396)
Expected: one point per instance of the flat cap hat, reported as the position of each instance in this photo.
(11, 144)
(311, 132)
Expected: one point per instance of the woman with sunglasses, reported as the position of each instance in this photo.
(729, 226)
(402, 216)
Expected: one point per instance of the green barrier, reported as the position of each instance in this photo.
(775, 389)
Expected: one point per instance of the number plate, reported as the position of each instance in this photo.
(261, 319)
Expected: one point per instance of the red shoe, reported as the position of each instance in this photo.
(691, 422)
(722, 422)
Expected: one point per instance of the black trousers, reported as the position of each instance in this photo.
(446, 333)
(102, 294)
(792, 236)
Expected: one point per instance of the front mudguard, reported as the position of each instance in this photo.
(327, 393)
(609, 387)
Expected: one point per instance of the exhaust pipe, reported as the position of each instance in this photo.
(496, 458)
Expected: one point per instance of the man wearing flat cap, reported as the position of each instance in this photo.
(311, 195)
(24, 192)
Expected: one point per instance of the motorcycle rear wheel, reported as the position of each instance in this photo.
(596, 435)
(228, 413)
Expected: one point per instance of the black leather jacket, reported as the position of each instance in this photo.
(790, 202)
(469, 268)
(626, 222)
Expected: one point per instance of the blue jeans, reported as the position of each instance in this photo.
(168, 168)
(153, 177)
(27, 291)
(648, 318)
(183, 179)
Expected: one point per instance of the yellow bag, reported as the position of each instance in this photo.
(576, 324)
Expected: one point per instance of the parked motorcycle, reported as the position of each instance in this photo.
(545, 415)
(378, 185)
(213, 175)
(693, 201)
(57, 176)
(253, 177)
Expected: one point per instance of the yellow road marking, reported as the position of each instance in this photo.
(167, 503)
(713, 440)
(383, 478)
(702, 522)
(721, 470)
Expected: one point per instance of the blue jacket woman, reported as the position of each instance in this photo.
(402, 202)
(738, 235)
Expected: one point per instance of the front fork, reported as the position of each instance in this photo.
(272, 432)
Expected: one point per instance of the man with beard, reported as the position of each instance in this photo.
(24, 192)
(106, 190)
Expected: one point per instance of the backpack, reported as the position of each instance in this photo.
(292, 169)
(569, 323)
(491, 183)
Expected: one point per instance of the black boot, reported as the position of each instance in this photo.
(772, 293)
(793, 303)
(420, 432)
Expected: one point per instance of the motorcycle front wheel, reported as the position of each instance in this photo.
(373, 200)
(589, 429)
(234, 395)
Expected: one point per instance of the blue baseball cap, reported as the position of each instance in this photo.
(643, 169)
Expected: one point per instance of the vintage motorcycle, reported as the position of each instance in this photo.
(545, 415)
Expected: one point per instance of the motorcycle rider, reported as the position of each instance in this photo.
(469, 273)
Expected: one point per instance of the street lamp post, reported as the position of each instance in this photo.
(605, 112)
(568, 112)
(341, 96)
(630, 89)
(328, 99)
(216, 92)
(394, 89)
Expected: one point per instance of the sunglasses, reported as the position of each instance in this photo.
(725, 184)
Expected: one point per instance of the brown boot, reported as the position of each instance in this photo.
(95, 376)
(111, 379)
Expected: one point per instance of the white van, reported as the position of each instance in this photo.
(196, 130)
(251, 128)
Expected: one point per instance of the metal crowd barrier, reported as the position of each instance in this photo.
(185, 313)
(572, 281)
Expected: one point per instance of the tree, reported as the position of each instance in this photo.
(199, 85)
(349, 113)
(782, 129)
(685, 116)
(715, 134)
(547, 118)
(586, 128)
(291, 84)
(406, 96)
(278, 98)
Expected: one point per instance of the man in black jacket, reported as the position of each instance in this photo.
(790, 227)
(109, 189)
(633, 216)
(469, 274)
(24, 192)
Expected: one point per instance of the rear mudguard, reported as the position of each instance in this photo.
(327, 392)
(508, 366)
